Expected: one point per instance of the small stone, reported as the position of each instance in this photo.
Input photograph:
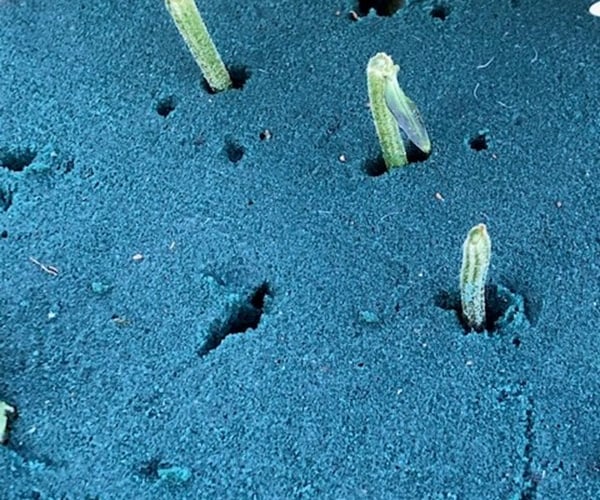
(368, 317)
(265, 135)
(100, 288)
(174, 474)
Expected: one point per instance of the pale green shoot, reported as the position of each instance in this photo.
(477, 251)
(187, 18)
(393, 111)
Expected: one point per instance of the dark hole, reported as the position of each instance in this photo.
(257, 299)
(244, 315)
(16, 159)
(376, 167)
(381, 7)
(516, 342)
(414, 154)
(440, 12)
(234, 150)
(501, 306)
(239, 76)
(479, 142)
(165, 106)
(4, 234)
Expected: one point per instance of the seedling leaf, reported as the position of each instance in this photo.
(407, 115)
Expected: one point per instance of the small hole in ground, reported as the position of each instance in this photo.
(414, 154)
(234, 150)
(479, 141)
(244, 315)
(166, 105)
(381, 7)
(440, 12)
(502, 307)
(16, 159)
(239, 76)
(376, 167)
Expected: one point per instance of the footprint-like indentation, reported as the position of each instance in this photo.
(243, 314)
(518, 392)
(503, 309)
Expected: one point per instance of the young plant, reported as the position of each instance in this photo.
(187, 18)
(477, 251)
(392, 110)
(7, 412)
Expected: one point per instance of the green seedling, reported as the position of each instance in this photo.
(7, 412)
(477, 251)
(187, 18)
(393, 111)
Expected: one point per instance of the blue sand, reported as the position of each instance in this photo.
(213, 288)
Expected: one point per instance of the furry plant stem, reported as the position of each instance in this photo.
(187, 18)
(477, 251)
